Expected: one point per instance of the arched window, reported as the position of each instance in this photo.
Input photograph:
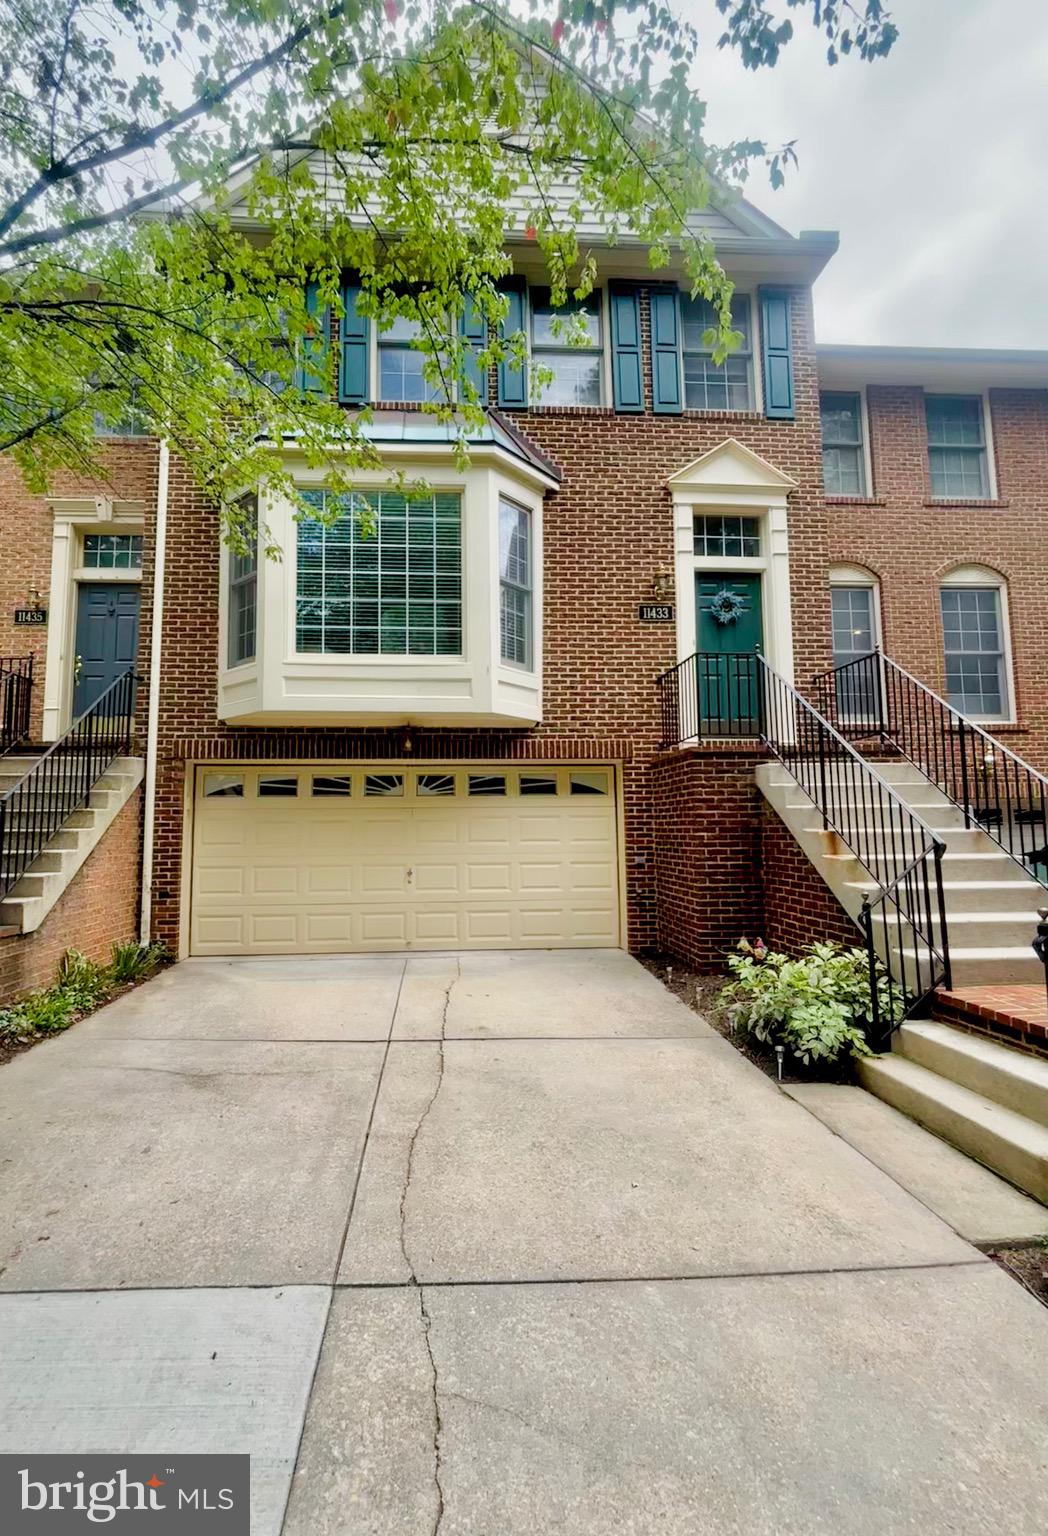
(974, 605)
(855, 615)
(855, 612)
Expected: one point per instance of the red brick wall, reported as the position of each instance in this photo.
(99, 908)
(910, 542)
(706, 811)
(727, 868)
(606, 532)
(798, 906)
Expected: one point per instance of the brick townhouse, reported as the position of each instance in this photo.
(454, 734)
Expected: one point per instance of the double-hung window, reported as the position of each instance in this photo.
(515, 584)
(567, 339)
(843, 470)
(973, 638)
(243, 593)
(401, 364)
(381, 576)
(853, 617)
(957, 446)
(710, 386)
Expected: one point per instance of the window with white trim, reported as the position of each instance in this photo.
(957, 447)
(843, 467)
(515, 583)
(974, 642)
(556, 331)
(401, 363)
(243, 591)
(710, 386)
(113, 551)
(853, 618)
(388, 583)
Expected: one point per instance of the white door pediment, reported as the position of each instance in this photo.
(730, 467)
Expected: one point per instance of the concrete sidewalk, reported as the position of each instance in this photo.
(492, 1243)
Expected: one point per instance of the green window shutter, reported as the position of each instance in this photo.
(627, 375)
(776, 352)
(354, 358)
(473, 328)
(513, 382)
(665, 351)
(312, 369)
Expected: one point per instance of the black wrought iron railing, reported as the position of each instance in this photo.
(902, 916)
(32, 810)
(711, 695)
(16, 693)
(995, 789)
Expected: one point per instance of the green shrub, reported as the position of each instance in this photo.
(134, 962)
(79, 987)
(817, 1007)
(83, 982)
(42, 1013)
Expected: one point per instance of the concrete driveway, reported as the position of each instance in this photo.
(495, 1245)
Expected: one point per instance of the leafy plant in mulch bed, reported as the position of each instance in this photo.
(79, 988)
(816, 1006)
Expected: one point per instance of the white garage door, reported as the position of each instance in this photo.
(327, 859)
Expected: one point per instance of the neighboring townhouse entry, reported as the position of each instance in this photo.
(106, 639)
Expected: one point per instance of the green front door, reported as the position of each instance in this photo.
(730, 631)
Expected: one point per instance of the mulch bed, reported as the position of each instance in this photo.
(698, 990)
(1028, 1265)
(9, 1049)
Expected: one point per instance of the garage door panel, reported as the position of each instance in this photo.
(334, 881)
(387, 927)
(284, 874)
(275, 880)
(435, 880)
(222, 880)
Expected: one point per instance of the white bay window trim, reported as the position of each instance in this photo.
(282, 686)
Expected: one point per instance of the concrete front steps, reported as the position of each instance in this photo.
(24, 908)
(991, 901)
(988, 1100)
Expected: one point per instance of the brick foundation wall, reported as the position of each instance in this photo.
(727, 867)
(99, 908)
(707, 852)
(798, 906)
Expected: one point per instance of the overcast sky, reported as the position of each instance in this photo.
(932, 164)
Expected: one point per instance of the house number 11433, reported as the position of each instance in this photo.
(655, 613)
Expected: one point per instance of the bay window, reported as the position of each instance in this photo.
(388, 582)
(243, 590)
(515, 584)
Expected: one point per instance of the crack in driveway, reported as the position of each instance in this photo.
(413, 1280)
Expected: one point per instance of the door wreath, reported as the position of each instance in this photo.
(726, 606)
